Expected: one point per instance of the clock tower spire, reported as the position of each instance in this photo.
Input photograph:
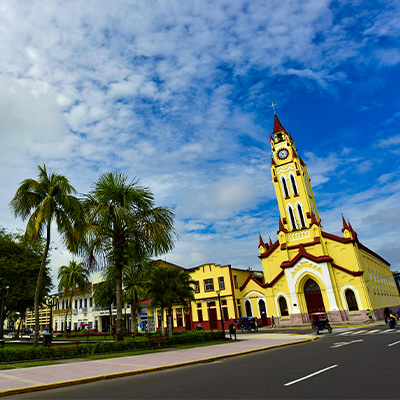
(293, 190)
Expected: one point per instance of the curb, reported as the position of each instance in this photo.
(141, 371)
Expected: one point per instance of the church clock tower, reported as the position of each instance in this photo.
(297, 207)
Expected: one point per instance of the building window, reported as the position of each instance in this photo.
(221, 283)
(283, 307)
(200, 316)
(223, 302)
(301, 215)
(284, 187)
(240, 312)
(197, 287)
(248, 309)
(208, 285)
(179, 319)
(80, 303)
(225, 312)
(76, 303)
(211, 303)
(198, 305)
(294, 186)
(85, 302)
(351, 300)
(235, 281)
(91, 302)
(292, 218)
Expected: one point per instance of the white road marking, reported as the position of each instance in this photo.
(389, 331)
(358, 332)
(340, 344)
(392, 344)
(309, 376)
(345, 333)
(374, 331)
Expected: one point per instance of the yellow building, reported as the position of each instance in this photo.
(213, 284)
(308, 270)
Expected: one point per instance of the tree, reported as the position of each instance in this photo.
(72, 277)
(19, 266)
(136, 281)
(104, 293)
(124, 226)
(169, 286)
(42, 201)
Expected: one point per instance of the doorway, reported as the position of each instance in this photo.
(313, 295)
(263, 312)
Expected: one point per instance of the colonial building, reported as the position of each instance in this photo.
(307, 269)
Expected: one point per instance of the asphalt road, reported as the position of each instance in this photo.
(360, 363)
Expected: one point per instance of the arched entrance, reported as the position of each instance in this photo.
(263, 312)
(313, 296)
(248, 309)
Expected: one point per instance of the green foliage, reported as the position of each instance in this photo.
(50, 198)
(9, 354)
(124, 226)
(19, 268)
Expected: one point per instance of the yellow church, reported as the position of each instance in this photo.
(308, 270)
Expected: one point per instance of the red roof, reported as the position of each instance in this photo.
(277, 125)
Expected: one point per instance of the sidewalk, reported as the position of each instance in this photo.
(79, 371)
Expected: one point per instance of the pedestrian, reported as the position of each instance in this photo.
(398, 314)
(371, 319)
(273, 322)
(232, 330)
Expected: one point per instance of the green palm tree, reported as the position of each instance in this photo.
(72, 277)
(104, 294)
(41, 201)
(136, 280)
(169, 286)
(125, 226)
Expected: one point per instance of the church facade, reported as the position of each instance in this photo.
(307, 269)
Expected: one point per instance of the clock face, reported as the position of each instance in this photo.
(282, 154)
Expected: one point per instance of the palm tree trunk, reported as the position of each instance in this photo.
(39, 286)
(162, 322)
(118, 295)
(134, 318)
(66, 314)
(169, 321)
(110, 316)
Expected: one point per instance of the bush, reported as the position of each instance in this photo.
(41, 352)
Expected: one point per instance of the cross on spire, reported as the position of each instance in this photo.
(273, 106)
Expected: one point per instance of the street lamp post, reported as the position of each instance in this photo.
(51, 302)
(220, 309)
(4, 294)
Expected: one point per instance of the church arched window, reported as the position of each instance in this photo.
(283, 307)
(285, 187)
(291, 216)
(294, 185)
(301, 215)
(351, 300)
(248, 309)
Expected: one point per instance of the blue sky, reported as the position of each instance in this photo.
(177, 93)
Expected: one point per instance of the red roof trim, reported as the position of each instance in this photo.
(270, 250)
(265, 285)
(303, 253)
(353, 273)
(362, 247)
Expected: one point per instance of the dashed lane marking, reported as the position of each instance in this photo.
(310, 376)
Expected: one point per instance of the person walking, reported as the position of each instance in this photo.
(371, 318)
(273, 322)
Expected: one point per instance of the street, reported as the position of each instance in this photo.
(356, 363)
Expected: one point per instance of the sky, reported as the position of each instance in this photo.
(177, 94)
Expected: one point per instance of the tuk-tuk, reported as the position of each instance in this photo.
(319, 322)
(248, 323)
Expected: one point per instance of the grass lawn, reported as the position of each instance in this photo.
(28, 364)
